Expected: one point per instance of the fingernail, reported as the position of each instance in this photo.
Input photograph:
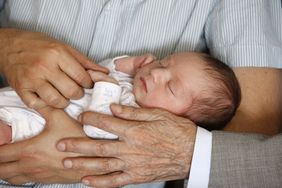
(86, 182)
(61, 146)
(68, 164)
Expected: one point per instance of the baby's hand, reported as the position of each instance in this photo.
(97, 76)
(130, 65)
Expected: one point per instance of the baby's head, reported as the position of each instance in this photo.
(193, 85)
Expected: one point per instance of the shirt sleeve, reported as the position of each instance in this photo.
(200, 167)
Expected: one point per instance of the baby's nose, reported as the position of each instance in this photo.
(156, 72)
(158, 75)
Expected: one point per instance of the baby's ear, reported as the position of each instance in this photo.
(148, 58)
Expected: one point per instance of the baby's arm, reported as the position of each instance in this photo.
(5, 133)
(105, 91)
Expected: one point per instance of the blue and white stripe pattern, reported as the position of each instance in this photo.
(77, 185)
(241, 32)
(32, 185)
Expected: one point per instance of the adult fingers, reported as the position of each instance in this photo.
(85, 62)
(138, 114)
(31, 99)
(86, 146)
(10, 152)
(8, 170)
(67, 87)
(74, 70)
(97, 76)
(94, 166)
(108, 123)
(111, 180)
(50, 95)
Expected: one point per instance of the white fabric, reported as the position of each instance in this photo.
(240, 33)
(104, 94)
(201, 161)
(26, 123)
(124, 80)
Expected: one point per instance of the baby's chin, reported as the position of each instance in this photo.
(138, 94)
(140, 101)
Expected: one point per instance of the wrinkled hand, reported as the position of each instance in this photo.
(37, 159)
(43, 70)
(153, 145)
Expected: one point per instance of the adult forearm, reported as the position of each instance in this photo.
(236, 34)
(261, 106)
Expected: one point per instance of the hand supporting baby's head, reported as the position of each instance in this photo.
(194, 85)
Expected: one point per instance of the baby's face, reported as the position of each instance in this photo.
(170, 83)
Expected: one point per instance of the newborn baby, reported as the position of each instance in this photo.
(193, 85)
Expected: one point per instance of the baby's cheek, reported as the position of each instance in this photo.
(140, 99)
(151, 102)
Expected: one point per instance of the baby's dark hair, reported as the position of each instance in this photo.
(216, 105)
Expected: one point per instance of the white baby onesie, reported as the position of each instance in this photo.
(26, 123)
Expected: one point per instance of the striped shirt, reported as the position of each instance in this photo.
(240, 33)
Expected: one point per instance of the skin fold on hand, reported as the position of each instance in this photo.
(37, 159)
(43, 71)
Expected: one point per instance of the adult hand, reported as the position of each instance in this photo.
(43, 70)
(153, 145)
(37, 159)
(98, 76)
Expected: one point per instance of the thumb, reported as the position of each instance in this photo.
(137, 114)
